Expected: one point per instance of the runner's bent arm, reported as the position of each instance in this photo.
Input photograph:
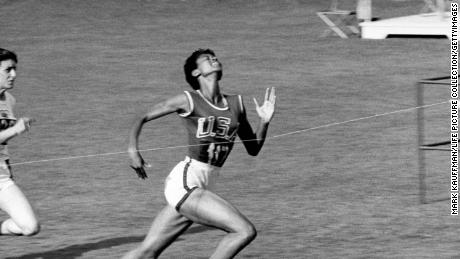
(23, 124)
(253, 142)
(175, 104)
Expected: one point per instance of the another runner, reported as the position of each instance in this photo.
(22, 219)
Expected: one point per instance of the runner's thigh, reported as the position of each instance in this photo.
(207, 208)
(14, 202)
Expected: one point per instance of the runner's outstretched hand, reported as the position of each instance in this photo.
(267, 110)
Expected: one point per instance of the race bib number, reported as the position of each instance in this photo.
(217, 153)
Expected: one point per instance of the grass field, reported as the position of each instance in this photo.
(323, 186)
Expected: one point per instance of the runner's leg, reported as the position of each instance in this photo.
(207, 208)
(15, 204)
(166, 227)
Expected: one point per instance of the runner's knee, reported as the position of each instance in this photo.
(251, 233)
(31, 229)
(247, 232)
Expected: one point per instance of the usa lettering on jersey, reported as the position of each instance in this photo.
(216, 127)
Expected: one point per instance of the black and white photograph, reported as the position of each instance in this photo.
(192, 129)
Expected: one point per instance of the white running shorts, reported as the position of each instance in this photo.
(185, 177)
(5, 175)
(5, 183)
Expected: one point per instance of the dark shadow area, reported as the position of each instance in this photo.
(79, 249)
(74, 251)
(407, 36)
(437, 199)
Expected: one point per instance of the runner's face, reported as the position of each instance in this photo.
(7, 74)
(208, 64)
